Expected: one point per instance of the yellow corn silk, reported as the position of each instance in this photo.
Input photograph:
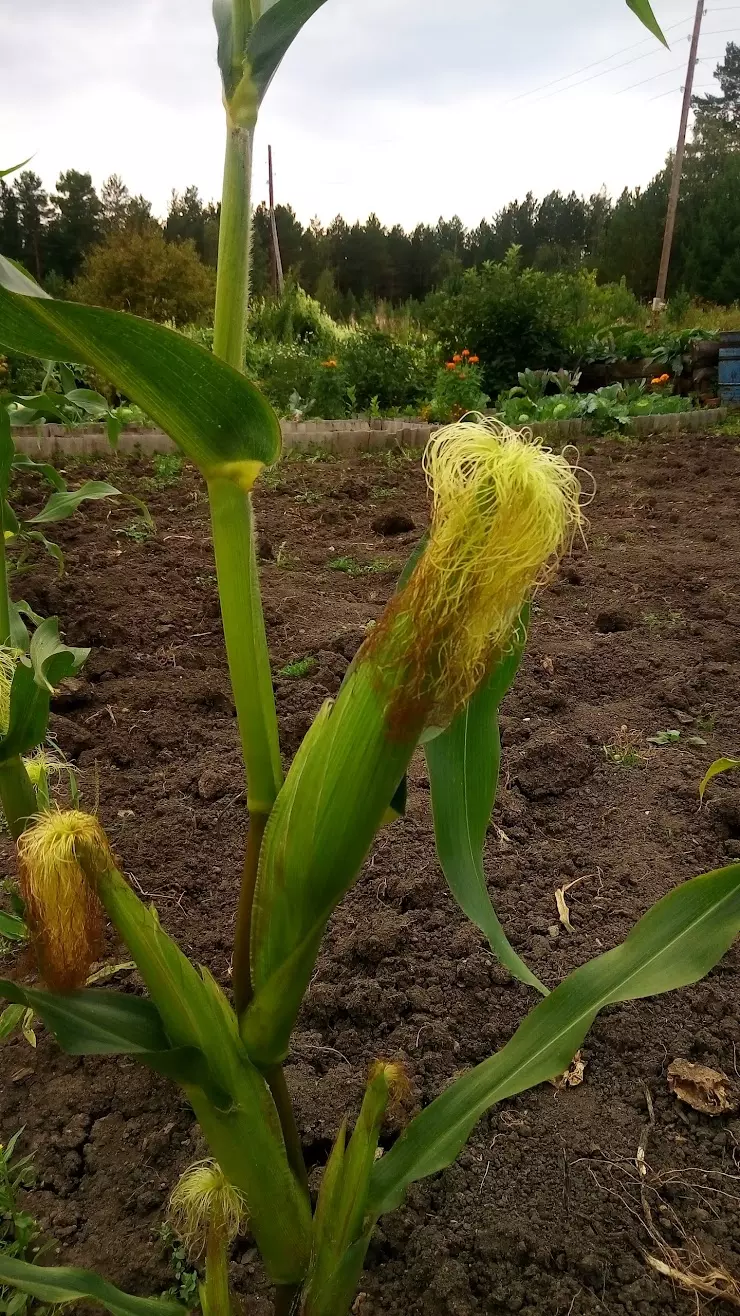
(205, 1201)
(63, 911)
(505, 508)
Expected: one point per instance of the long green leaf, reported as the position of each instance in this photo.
(677, 942)
(4, 172)
(463, 765)
(65, 502)
(92, 1022)
(217, 417)
(645, 14)
(271, 36)
(22, 462)
(714, 770)
(57, 1285)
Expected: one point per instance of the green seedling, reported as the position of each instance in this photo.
(168, 468)
(670, 737)
(301, 667)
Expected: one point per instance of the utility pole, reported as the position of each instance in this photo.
(277, 264)
(670, 223)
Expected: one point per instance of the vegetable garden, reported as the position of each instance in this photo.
(405, 1051)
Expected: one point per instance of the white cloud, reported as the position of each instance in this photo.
(410, 108)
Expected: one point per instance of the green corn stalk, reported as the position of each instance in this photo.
(309, 834)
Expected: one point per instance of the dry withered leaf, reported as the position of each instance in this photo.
(562, 904)
(707, 1090)
(573, 1075)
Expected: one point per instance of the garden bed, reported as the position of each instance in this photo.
(542, 1213)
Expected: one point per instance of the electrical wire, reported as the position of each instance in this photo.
(544, 87)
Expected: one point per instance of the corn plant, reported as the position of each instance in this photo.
(432, 672)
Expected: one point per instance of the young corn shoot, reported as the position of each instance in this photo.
(207, 1213)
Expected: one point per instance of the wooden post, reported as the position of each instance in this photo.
(670, 223)
(277, 264)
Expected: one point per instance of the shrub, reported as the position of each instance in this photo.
(141, 273)
(377, 365)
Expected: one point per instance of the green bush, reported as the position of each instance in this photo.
(377, 366)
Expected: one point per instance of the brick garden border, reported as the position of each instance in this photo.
(340, 436)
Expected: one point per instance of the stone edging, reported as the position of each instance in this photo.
(340, 436)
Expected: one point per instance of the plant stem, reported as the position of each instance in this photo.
(216, 1295)
(234, 241)
(246, 642)
(4, 591)
(284, 1106)
(17, 795)
(241, 976)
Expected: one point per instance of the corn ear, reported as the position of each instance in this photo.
(332, 804)
(341, 1231)
(243, 1132)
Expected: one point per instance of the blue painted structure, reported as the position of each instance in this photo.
(729, 368)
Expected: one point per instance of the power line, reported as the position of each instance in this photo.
(652, 78)
(545, 85)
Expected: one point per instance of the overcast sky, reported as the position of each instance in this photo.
(409, 108)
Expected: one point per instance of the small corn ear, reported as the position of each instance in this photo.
(62, 907)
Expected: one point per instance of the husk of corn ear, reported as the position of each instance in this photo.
(323, 824)
(341, 1233)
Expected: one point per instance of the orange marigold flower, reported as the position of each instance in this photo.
(474, 360)
(656, 380)
(465, 352)
(449, 365)
(456, 359)
(664, 379)
(330, 364)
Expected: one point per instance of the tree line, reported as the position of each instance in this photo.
(109, 246)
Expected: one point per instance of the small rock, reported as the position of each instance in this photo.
(213, 783)
(393, 523)
(610, 621)
(732, 848)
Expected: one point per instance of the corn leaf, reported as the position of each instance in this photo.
(57, 1285)
(676, 943)
(645, 14)
(463, 765)
(64, 502)
(34, 679)
(213, 413)
(22, 462)
(11, 170)
(10, 1019)
(105, 1023)
(272, 35)
(714, 770)
(12, 927)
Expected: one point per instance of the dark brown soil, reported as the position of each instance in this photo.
(542, 1213)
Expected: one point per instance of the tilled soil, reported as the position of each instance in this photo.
(639, 633)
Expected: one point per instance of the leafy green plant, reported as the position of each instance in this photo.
(60, 399)
(20, 1235)
(457, 388)
(301, 667)
(432, 672)
(168, 468)
(714, 770)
